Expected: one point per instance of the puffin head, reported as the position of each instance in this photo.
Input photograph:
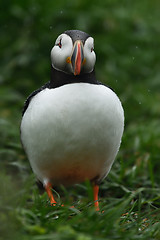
(73, 53)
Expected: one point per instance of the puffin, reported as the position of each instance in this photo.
(71, 127)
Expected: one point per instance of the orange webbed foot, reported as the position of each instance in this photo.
(48, 188)
(95, 195)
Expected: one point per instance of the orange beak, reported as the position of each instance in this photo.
(77, 57)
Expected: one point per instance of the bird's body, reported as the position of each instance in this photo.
(72, 131)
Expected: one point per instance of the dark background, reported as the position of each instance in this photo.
(127, 45)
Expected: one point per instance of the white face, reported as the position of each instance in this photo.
(62, 51)
(89, 55)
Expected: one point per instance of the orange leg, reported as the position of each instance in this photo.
(48, 188)
(95, 192)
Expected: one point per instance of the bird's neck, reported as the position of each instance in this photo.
(59, 78)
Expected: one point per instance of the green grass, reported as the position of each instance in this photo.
(127, 41)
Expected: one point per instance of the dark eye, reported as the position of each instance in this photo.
(92, 49)
(60, 43)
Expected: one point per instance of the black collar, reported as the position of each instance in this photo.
(59, 78)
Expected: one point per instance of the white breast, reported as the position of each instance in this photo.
(73, 132)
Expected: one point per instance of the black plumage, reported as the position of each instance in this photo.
(77, 35)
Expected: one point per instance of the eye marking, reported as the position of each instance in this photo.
(60, 43)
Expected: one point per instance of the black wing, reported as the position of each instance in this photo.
(47, 85)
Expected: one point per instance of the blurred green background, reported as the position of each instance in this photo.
(127, 43)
